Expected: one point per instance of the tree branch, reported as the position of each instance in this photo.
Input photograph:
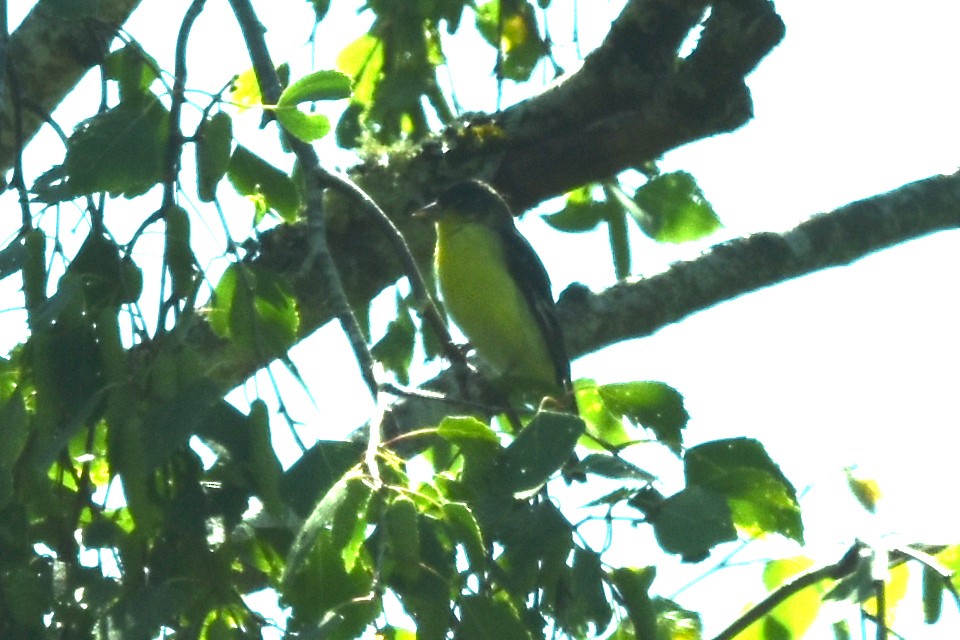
(637, 309)
(49, 53)
(635, 98)
(844, 567)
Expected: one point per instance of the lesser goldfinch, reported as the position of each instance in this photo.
(497, 290)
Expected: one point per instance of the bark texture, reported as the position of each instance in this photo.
(48, 54)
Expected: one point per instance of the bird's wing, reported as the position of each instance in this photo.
(533, 281)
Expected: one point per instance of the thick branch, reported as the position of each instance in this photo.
(637, 309)
(634, 99)
(49, 53)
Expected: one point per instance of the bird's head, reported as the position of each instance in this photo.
(469, 201)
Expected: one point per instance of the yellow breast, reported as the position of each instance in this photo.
(482, 298)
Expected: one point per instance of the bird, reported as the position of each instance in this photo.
(497, 291)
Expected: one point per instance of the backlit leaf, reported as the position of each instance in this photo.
(675, 209)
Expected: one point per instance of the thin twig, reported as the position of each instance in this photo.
(177, 98)
(418, 286)
(847, 565)
(926, 558)
(880, 593)
(319, 257)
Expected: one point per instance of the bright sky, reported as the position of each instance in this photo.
(857, 365)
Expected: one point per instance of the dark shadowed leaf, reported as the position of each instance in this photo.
(760, 496)
(254, 308)
(610, 466)
(253, 176)
(349, 492)
(120, 151)
(395, 349)
(320, 8)
(690, 523)
(539, 450)
(484, 617)
(11, 257)
(632, 591)
(214, 142)
(328, 600)
(310, 477)
(587, 585)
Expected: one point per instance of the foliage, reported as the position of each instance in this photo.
(135, 501)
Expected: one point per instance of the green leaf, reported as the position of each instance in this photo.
(602, 423)
(213, 146)
(121, 151)
(64, 361)
(465, 530)
(483, 617)
(253, 176)
(97, 268)
(539, 450)
(588, 596)
(427, 599)
(403, 537)
(841, 630)
(761, 497)
(676, 209)
(581, 212)
(320, 8)
(460, 429)
(265, 467)
(676, 623)
(245, 90)
(348, 530)
(168, 426)
(632, 589)
(796, 614)
(692, 522)
(517, 36)
(319, 85)
(395, 349)
(327, 600)
(28, 592)
(74, 9)
(133, 70)
(619, 246)
(480, 447)
(362, 60)
(616, 496)
(610, 466)
(349, 132)
(12, 257)
(932, 591)
(537, 541)
(653, 405)
(13, 435)
(177, 253)
(254, 308)
(305, 126)
(310, 477)
(350, 491)
(131, 281)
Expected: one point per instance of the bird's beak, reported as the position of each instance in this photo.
(429, 212)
